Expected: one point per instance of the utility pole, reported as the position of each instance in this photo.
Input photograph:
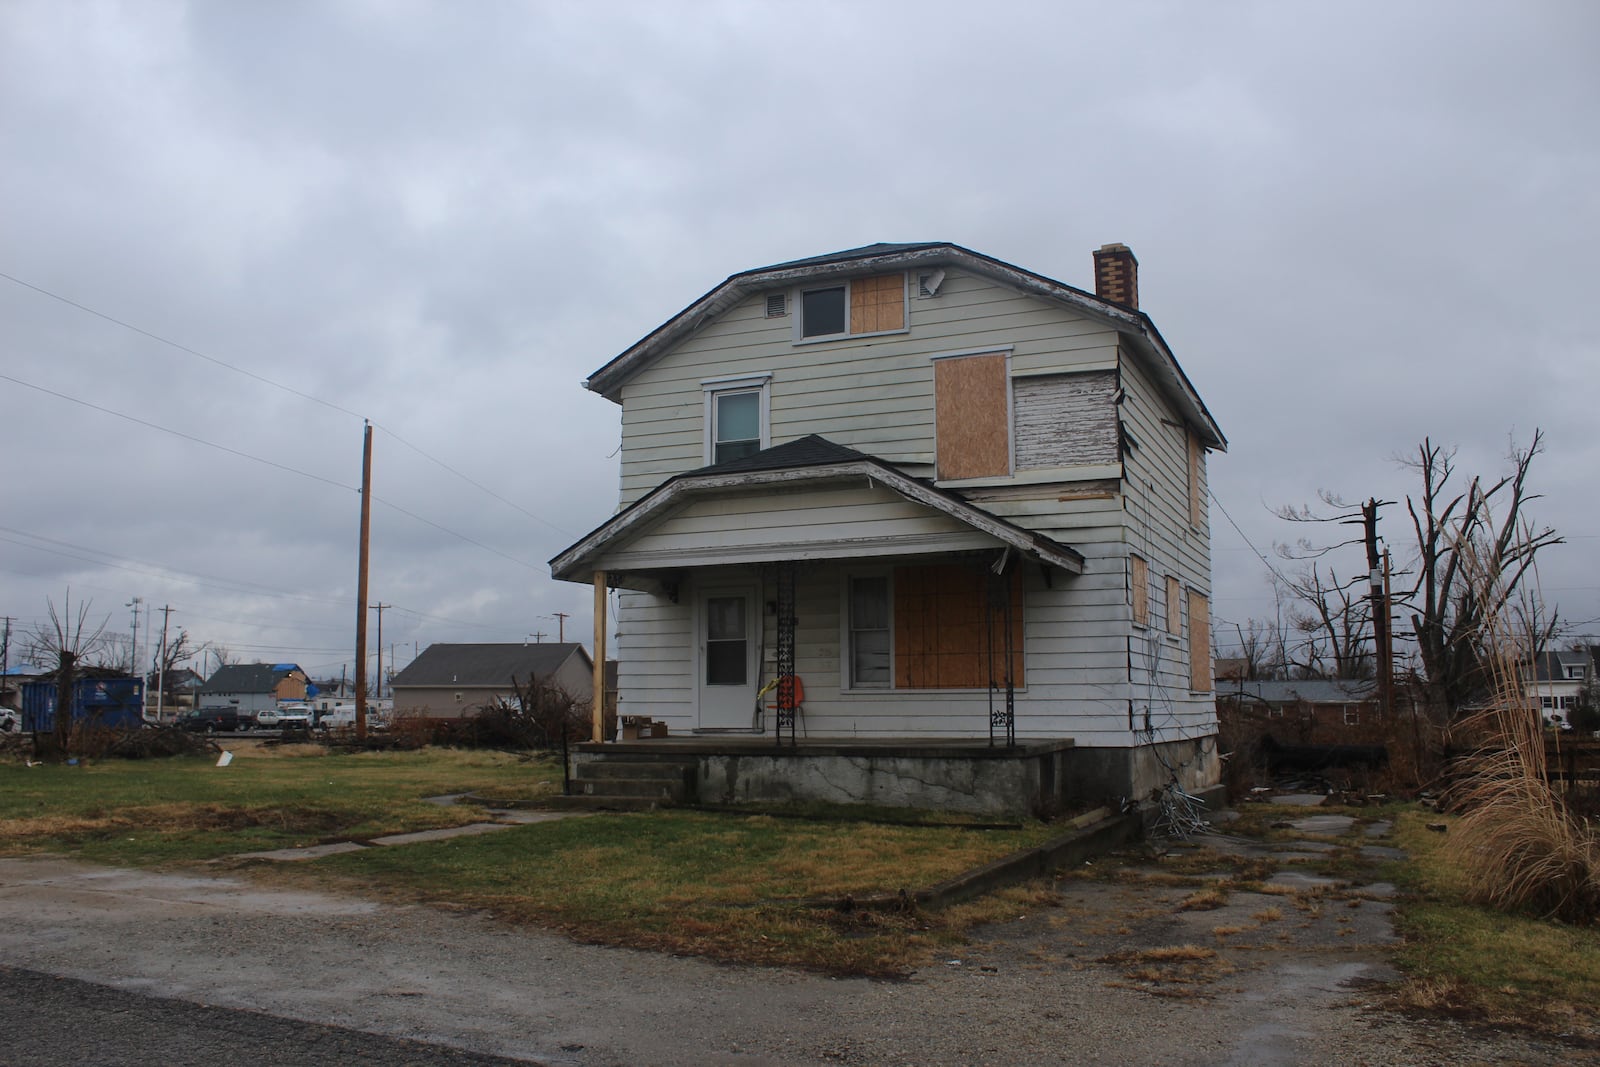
(361, 583)
(538, 638)
(5, 660)
(133, 642)
(561, 626)
(1377, 583)
(379, 609)
(161, 664)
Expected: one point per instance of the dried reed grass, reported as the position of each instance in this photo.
(1519, 844)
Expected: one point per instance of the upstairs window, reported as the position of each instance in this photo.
(822, 312)
(858, 306)
(736, 414)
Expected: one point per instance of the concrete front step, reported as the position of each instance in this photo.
(610, 770)
(668, 789)
(592, 802)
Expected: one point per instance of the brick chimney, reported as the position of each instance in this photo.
(1116, 275)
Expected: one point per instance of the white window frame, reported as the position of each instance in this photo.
(797, 301)
(847, 680)
(712, 388)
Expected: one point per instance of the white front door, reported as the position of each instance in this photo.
(726, 667)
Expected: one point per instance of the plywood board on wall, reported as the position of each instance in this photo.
(973, 418)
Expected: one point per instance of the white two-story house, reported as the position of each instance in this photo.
(961, 503)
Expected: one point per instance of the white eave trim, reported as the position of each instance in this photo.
(608, 380)
(571, 564)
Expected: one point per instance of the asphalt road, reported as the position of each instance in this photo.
(49, 1021)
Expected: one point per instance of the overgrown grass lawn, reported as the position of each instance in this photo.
(1487, 965)
(155, 811)
(730, 886)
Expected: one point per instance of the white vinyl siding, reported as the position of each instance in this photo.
(1087, 669)
(871, 393)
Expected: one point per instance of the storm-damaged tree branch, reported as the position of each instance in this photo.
(1483, 523)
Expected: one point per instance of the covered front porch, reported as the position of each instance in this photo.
(813, 590)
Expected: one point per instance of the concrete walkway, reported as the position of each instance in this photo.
(501, 819)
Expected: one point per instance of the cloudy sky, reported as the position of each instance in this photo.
(230, 231)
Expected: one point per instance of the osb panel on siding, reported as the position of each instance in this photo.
(940, 613)
(878, 303)
(1065, 420)
(972, 420)
(1199, 643)
(1141, 591)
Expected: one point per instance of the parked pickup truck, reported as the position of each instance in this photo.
(211, 720)
(285, 717)
(343, 717)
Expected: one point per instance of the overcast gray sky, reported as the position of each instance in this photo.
(1357, 224)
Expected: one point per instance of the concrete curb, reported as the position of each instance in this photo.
(1068, 850)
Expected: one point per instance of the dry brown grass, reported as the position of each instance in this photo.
(1520, 846)
(1204, 900)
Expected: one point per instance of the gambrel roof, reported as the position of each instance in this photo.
(808, 462)
(1146, 340)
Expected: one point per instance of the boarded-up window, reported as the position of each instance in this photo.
(972, 416)
(1174, 607)
(1196, 456)
(1139, 590)
(1065, 420)
(1199, 643)
(940, 617)
(878, 303)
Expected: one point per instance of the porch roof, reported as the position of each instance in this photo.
(808, 463)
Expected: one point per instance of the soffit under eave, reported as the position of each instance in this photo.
(579, 563)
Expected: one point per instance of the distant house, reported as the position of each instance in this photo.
(182, 685)
(453, 681)
(1555, 680)
(252, 687)
(1309, 711)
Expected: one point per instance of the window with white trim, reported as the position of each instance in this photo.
(875, 304)
(736, 417)
(869, 632)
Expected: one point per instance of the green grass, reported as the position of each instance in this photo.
(1464, 959)
(723, 885)
(156, 811)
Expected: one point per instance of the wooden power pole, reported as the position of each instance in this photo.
(361, 583)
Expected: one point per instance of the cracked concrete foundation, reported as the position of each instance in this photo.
(1031, 778)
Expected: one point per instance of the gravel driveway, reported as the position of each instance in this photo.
(1099, 977)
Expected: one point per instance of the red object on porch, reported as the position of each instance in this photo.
(791, 695)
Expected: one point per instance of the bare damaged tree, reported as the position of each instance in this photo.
(1263, 648)
(66, 639)
(164, 662)
(68, 631)
(1335, 624)
(1449, 606)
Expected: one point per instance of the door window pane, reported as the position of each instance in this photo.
(726, 644)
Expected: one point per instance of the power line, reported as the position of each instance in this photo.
(177, 433)
(476, 485)
(265, 381)
(174, 344)
(1264, 562)
(270, 463)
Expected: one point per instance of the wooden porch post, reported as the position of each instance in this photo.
(599, 700)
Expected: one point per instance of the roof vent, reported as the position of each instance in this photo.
(777, 305)
(928, 284)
